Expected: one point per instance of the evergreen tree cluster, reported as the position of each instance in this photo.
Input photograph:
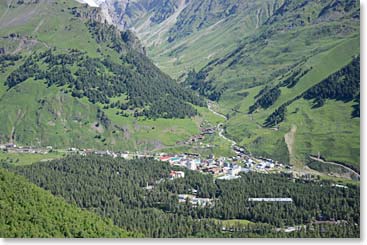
(7, 60)
(27, 211)
(197, 82)
(276, 117)
(268, 96)
(267, 100)
(150, 92)
(115, 188)
(28, 69)
(343, 85)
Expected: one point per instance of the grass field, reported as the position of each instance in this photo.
(27, 159)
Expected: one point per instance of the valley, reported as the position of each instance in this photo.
(131, 126)
(180, 119)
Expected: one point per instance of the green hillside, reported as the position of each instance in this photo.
(197, 32)
(298, 47)
(71, 81)
(255, 56)
(91, 86)
(28, 211)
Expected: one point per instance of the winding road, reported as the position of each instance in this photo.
(336, 164)
(220, 125)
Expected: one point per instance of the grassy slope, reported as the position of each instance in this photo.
(28, 211)
(65, 121)
(324, 44)
(61, 121)
(320, 129)
(203, 45)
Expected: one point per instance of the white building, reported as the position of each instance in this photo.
(177, 174)
(270, 199)
(235, 170)
(125, 155)
(191, 165)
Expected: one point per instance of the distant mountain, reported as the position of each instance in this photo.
(184, 34)
(71, 79)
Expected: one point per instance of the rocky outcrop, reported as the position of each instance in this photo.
(94, 14)
(133, 41)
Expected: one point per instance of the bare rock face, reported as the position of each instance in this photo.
(133, 41)
(124, 14)
(95, 14)
(103, 14)
(112, 11)
(116, 12)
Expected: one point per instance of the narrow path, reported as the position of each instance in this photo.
(336, 164)
(220, 125)
(210, 105)
(38, 26)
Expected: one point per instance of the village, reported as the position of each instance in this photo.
(222, 168)
(226, 168)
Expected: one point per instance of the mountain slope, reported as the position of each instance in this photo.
(258, 57)
(184, 34)
(261, 83)
(28, 211)
(78, 73)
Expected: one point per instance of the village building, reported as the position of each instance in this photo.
(174, 160)
(165, 158)
(177, 174)
(191, 165)
(270, 200)
(229, 177)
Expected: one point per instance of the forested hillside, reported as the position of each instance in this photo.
(28, 211)
(115, 188)
(87, 84)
